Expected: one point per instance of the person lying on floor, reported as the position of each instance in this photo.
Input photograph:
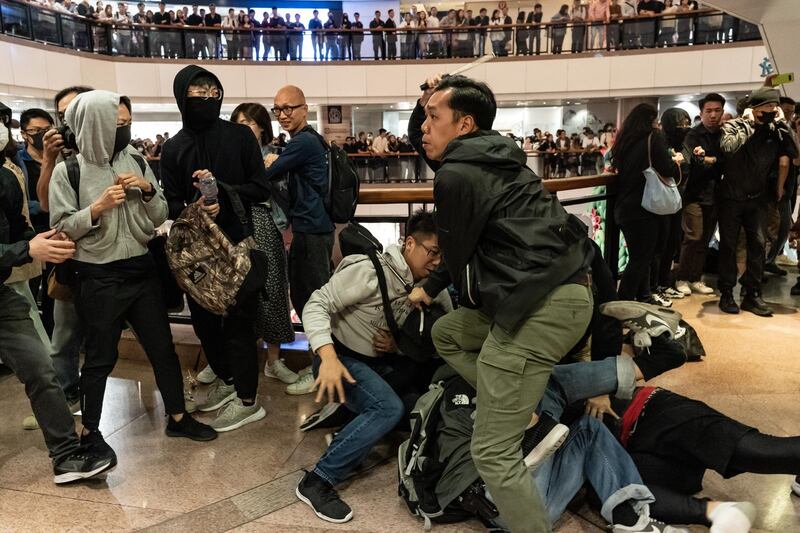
(347, 330)
(673, 440)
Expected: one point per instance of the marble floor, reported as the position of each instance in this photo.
(244, 481)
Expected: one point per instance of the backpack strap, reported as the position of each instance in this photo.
(387, 304)
(74, 175)
(140, 161)
(236, 203)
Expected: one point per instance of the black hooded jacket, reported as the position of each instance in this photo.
(15, 232)
(506, 240)
(230, 151)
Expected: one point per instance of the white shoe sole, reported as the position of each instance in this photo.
(301, 392)
(76, 476)
(206, 408)
(631, 310)
(270, 375)
(796, 488)
(703, 293)
(549, 445)
(255, 417)
(327, 410)
(320, 515)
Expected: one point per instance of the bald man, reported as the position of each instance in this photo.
(305, 161)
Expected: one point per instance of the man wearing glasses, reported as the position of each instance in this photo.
(34, 123)
(305, 161)
(209, 146)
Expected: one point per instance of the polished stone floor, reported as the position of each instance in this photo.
(244, 481)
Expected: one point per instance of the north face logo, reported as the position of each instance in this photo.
(460, 399)
(197, 275)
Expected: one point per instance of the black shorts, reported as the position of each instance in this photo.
(676, 439)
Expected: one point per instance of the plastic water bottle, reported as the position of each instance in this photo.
(209, 190)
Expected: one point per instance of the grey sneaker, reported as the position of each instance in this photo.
(206, 376)
(189, 402)
(279, 370)
(645, 318)
(304, 385)
(218, 395)
(236, 415)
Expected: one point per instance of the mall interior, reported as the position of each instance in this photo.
(667, 378)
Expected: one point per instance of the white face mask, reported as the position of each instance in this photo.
(5, 136)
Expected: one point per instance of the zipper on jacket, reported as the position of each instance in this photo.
(469, 291)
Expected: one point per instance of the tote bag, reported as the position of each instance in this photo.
(661, 195)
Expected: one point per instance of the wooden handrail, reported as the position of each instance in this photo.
(406, 193)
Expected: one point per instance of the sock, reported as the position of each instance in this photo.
(665, 354)
(624, 515)
(729, 518)
(248, 403)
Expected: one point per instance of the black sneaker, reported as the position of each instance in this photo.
(323, 499)
(727, 303)
(772, 268)
(752, 301)
(542, 440)
(94, 444)
(663, 354)
(330, 415)
(190, 428)
(79, 465)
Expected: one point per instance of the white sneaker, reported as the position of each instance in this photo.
(304, 385)
(683, 287)
(206, 376)
(236, 414)
(279, 370)
(672, 294)
(701, 288)
(218, 395)
(660, 299)
(796, 486)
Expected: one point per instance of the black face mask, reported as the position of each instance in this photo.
(122, 139)
(768, 117)
(200, 114)
(37, 141)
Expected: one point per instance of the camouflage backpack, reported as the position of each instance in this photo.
(214, 272)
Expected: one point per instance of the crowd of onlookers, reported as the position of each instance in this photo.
(593, 25)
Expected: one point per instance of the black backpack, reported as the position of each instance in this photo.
(414, 338)
(343, 184)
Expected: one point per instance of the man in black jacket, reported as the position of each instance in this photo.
(20, 346)
(209, 146)
(702, 151)
(520, 264)
(752, 145)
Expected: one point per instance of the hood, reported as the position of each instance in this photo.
(487, 148)
(92, 116)
(184, 78)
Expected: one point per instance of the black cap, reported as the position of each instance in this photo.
(764, 95)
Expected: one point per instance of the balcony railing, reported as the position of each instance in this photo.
(35, 23)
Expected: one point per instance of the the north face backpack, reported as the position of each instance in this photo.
(216, 273)
(343, 184)
(420, 470)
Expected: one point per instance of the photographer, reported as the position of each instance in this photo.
(752, 146)
(111, 214)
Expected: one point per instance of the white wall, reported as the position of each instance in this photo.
(40, 72)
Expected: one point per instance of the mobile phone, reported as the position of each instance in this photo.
(782, 79)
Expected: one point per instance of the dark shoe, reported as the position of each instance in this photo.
(752, 302)
(331, 415)
(772, 268)
(190, 428)
(727, 304)
(796, 289)
(323, 499)
(542, 440)
(94, 444)
(80, 465)
(664, 354)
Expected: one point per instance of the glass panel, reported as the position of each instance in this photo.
(75, 33)
(15, 19)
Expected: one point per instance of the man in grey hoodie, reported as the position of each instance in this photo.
(111, 213)
(355, 356)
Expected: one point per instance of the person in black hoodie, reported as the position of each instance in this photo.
(520, 263)
(206, 146)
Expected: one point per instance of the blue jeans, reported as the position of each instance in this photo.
(379, 410)
(579, 381)
(591, 453)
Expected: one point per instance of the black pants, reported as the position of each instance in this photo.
(378, 48)
(309, 266)
(661, 273)
(578, 36)
(645, 238)
(23, 352)
(782, 211)
(104, 302)
(229, 344)
(734, 215)
(391, 47)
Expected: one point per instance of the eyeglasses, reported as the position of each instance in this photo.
(36, 131)
(205, 94)
(128, 123)
(287, 110)
(433, 253)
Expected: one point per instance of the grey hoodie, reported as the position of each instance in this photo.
(350, 307)
(122, 232)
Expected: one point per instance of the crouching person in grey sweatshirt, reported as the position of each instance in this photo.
(111, 213)
(355, 361)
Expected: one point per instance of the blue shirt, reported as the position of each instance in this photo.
(305, 160)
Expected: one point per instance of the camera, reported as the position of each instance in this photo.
(70, 142)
